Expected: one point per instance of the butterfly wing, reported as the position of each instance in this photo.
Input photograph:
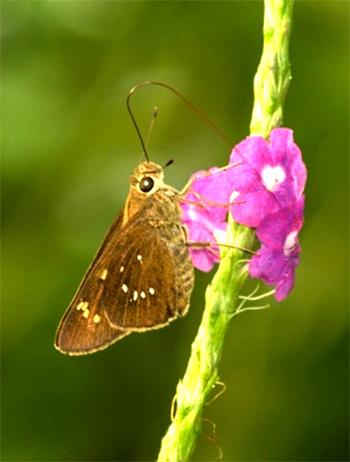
(78, 333)
(141, 292)
(135, 283)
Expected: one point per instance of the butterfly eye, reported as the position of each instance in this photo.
(146, 184)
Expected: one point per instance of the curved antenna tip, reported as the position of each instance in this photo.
(155, 112)
(187, 102)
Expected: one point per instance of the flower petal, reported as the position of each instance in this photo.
(254, 151)
(252, 207)
(274, 268)
(275, 227)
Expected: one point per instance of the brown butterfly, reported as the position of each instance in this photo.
(142, 276)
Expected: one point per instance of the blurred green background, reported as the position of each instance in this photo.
(68, 148)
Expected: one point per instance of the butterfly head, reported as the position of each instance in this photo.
(147, 178)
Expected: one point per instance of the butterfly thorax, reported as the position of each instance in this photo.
(149, 193)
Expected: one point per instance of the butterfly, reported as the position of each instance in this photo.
(141, 277)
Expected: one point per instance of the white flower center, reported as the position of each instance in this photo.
(272, 177)
(290, 242)
(220, 236)
(192, 213)
(233, 196)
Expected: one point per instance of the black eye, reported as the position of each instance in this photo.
(146, 184)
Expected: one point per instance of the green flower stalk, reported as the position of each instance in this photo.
(222, 295)
(272, 79)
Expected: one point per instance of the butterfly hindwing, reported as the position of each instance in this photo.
(140, 291)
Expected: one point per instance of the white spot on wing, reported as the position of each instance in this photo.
(82, 306)
(139, 257)
(124, 288)
(135, 295)
(151, 291)
(142, 294)
(97, 318)
(121, 269)
(103, 274)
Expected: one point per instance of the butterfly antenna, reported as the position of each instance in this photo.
(184, 100)
(150, 128)
(144, 150)
(171, 161)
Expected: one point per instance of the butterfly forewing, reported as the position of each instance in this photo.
(79, 335)
(82, 328)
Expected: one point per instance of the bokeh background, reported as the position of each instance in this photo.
(68, 148)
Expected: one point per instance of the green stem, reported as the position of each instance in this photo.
(270, 86)
(272, 79)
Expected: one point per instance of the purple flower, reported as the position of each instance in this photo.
(276, 260)
(275, 228)
(269, 185)
(204, 211)
(275, 268)
(263, 188)
(270, 175)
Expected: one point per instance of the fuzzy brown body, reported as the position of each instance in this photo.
(141, 277)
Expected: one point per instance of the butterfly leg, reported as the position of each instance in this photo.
(209, 245)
